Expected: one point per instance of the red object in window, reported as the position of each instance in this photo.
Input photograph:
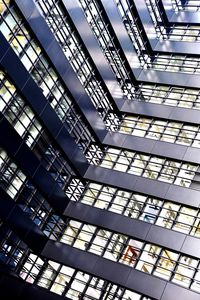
(131, 254)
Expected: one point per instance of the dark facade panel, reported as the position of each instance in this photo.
(42, 109)
(184, 17)
(115, 138)
(151, 76)
(60, 62)
(151, 286)
(191, 245)
(112, 271)
(107, 220)
(121, 35)
(191, 154)
(111, 177)
(32, 167)
(124, 225)
(167, 238)
(20, 223)
(154, 147)
(12, 287)
(172, 291)
(147, 27)
(162, 111)
(180, 17)
(144, 185)
(168, 11)
(10, 59)
(170, 78)
(183, 195)
(162, 46)
(92, 46)
(174, 47)
(170, 150)
(101, 267)
(70, 256)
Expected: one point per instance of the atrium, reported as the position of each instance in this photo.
(100, 149)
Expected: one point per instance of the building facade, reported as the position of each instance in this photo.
(100, 149)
